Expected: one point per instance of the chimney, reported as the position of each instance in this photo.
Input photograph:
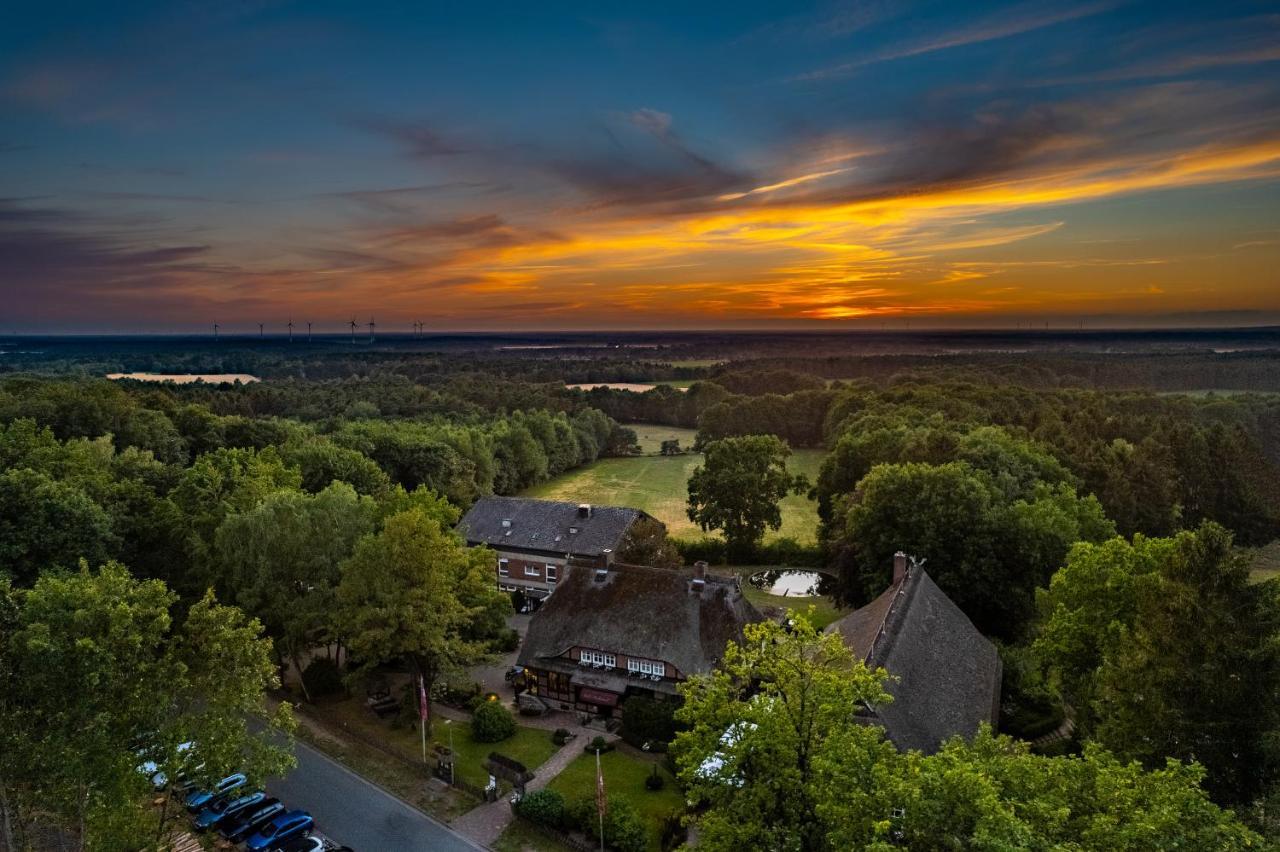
(700, 569)
(899, 566)
(584, 510)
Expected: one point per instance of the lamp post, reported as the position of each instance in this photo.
(452, 757)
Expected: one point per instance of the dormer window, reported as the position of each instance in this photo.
(573, 530)
(506, 523)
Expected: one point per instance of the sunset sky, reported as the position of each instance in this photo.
(647, 165)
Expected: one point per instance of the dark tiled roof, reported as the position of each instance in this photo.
(544, 525)
(944, 674)
(655, 613)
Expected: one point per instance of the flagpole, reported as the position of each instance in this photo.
(600, 798)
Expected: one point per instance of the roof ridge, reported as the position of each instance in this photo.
(901, 602)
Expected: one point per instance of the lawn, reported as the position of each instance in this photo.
(624, 776)
(651, 435)
(522, 837)
(530, 746)
(1266, 562)
(659, 486)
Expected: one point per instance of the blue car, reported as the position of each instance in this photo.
(288, 824)
(223, 807)
(199, 799)
(251, 820)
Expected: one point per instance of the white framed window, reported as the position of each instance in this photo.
(504, 570)
(647, 667)
(599, 658)
(532, 571)
(633, 665)
(610, 660)
(659, 669)
(553, 573)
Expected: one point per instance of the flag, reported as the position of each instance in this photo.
(602, 803)
(423, 710)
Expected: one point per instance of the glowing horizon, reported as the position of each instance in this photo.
(841, 165)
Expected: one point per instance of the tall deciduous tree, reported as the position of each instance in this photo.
(97, 678)
(414, 591)
(774, 758)
(987, 552)
(1166, 650)
(281, 560)
(737, 488)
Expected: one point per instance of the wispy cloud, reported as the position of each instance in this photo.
(1000, 25)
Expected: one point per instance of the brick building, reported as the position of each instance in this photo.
(536, 539)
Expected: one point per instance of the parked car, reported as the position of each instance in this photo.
(226, 806)
(151, 769)
(198, 799)
(286, 825)
(300, 844)
(252, 820)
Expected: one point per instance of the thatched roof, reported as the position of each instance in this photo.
(944, 674)
(654, 613)
(546, 525)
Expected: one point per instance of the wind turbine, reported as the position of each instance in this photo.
(215, 331)
(308, 331)
(353, 329)
(259, 329)
(371, 326)
(290, 329)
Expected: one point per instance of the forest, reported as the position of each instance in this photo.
(1087, 510)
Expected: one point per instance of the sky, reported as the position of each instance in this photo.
(492, 166)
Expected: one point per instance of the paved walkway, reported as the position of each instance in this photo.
(485, 824)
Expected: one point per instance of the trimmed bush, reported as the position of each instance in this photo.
(598, 744)
(561, 736)
(492, 723)
(322, 677)
(545, 807)
(655, 781)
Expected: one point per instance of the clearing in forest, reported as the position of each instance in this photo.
(660, 486)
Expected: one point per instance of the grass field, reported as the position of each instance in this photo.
(660, 486)
(624, 777)
(1266, 562)
(651, 435)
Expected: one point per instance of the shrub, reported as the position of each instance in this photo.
(322, 677)
(456, 694)
(492, 723)
(623, 829)
(646, 720)
(545, 807)
(655, 781)
(561, 736)
(506, 641)
(598, 744)
(673, 831)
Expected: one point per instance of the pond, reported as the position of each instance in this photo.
(793, 583)
(187, 378)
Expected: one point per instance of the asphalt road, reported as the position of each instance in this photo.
(350, 810)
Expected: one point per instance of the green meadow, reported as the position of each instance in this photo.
(659, 486)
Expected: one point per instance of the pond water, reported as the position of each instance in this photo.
(638, 387)
(793, 583)
(187, 378)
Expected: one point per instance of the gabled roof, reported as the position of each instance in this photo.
(944, 674)
(654, 613)
(545, 525)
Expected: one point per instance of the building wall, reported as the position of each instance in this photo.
(671, 672)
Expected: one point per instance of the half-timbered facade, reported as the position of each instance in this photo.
(610, 632)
